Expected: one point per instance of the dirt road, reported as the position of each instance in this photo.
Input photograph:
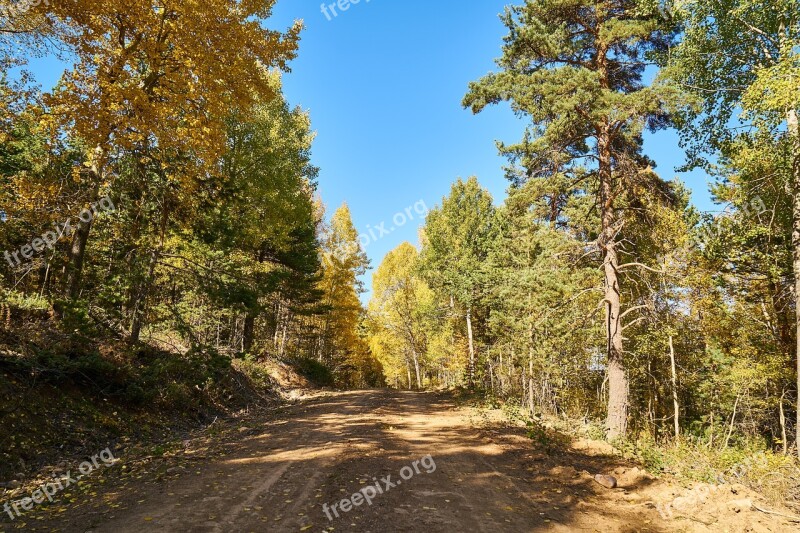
(277, 475)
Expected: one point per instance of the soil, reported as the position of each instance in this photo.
(275, 471)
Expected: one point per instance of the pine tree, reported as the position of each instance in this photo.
(575, 69)
(540, 290)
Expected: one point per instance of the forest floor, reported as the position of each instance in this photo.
(274, 471)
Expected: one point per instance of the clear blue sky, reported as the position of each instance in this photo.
(383, 82)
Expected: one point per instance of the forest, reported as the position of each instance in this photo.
(596, 289)
(161, 223)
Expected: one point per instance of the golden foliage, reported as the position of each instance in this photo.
(167, 74)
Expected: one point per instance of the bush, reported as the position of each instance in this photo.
(313, 370)
(772, 474)
(257, 373)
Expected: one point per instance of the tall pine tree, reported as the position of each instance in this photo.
(575, 67)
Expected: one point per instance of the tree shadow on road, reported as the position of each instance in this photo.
(286, 472)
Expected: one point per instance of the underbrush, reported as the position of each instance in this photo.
(65, 394)
(546, 433)
(690, 460)
(313, 371)
(774, 475)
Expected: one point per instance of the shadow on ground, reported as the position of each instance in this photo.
(277, 474)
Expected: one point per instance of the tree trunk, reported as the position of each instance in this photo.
(247, 331)
(471, 376)
(416, 369)
(794, 132)
(278, 313)
(45, 279)
(711, 434)
(733, 421)
(783, 426)
(501, 383)
(144, 291)
(676, 405)
(141, 299)
(524, 383)
(617, 420)
(282, 347)
(80, 239)
(530, 385)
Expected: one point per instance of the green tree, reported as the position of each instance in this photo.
(165, 75)
(268, 212)
(757, 76)
(575, 69)
(541, 292)
(343, 262)
(456, 243)
(400, 312)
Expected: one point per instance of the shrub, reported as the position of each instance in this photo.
(314, 371)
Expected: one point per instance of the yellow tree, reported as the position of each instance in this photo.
(398, 311)
(160, 74)
(343, 262)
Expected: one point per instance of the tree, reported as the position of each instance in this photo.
(226, 259)
(164, 76)
(757, 75)
(269, 216)
(400, 311)
(38, 195)
(343, 261)
(456, 243)
(541, 292)
(575, 69)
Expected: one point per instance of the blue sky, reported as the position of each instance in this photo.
(383, 82)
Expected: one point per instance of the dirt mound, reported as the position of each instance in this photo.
(717, 508)
(286, 376)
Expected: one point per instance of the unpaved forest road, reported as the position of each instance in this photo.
(278, 476)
